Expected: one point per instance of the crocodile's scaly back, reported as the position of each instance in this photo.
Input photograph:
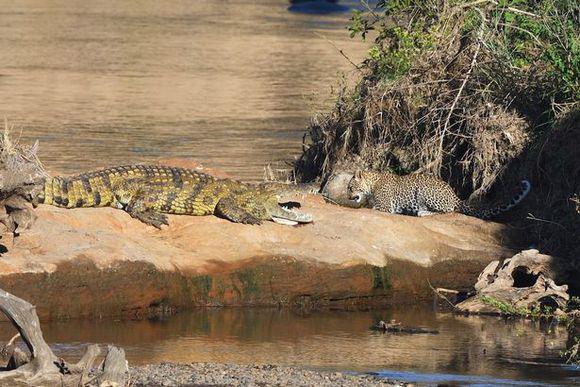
(102, 188)
(148, 191)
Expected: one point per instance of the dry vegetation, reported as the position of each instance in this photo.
(19, 164)
(20, 168)
(480, 93)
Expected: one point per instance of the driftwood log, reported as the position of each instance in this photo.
(527, 280)
(114, 368)
(42, 367)
(12, 355)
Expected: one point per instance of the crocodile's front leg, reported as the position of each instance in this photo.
(138, 210)
(139, 201)
(227, 208)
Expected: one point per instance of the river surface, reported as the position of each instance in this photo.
(467, 350)
(231, 84)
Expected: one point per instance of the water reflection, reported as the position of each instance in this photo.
(519, 350)
(229, 83)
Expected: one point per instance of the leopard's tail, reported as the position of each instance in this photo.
(487, 213)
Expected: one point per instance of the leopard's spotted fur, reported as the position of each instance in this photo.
(418, 194)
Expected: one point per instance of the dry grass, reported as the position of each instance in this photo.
(19, 164)
(436, 120)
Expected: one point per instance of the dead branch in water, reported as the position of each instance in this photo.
(42, 367)
(438, 292)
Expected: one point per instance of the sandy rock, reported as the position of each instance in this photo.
(100, 261)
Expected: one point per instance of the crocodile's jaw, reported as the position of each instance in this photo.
(283, 221)
(287, 217)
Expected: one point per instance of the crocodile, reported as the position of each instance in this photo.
(148, 192)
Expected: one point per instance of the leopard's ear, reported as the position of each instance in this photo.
(358, 174)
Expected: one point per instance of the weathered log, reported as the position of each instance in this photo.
(115, 368)
(527, 280)
(23, 316)
(17, 359)
(88, 359)
(42, 367)
(7, 349)
(84, 366)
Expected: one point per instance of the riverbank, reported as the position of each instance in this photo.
(96, 262)
(199, 374)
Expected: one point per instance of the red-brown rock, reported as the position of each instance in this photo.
(95, 262)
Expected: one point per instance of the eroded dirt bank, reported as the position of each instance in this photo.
(98, 262)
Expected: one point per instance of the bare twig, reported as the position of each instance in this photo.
(573, 354)
(512, 9)
(370, 9)
(13, 339)
(341, 52)
(438, 293)
(471, 66)
(522, 30)
(532, 217)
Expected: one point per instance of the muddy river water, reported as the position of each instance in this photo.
(467, 350)
(231, 84)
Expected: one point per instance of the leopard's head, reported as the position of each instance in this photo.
(360, 186)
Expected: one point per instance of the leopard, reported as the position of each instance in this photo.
(419, 195)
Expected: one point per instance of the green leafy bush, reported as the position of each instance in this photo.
(523, 32)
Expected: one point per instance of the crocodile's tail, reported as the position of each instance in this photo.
(486, 213)
(83, 191)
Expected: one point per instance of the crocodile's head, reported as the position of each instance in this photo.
(282, 213)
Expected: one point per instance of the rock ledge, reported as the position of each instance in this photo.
(96, 262)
